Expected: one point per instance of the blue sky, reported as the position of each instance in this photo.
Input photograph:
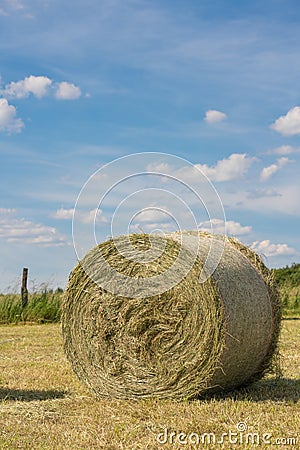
(85, 82)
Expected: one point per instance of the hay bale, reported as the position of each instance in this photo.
(193, 338)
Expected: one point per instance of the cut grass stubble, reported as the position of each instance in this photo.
(44, 406)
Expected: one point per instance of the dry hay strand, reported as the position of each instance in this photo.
(191, 339)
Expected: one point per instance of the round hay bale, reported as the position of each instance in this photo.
(188, 340)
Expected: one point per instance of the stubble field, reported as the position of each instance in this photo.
(43, 405)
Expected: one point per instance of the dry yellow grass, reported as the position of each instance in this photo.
(43, 406)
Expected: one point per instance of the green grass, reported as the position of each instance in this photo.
(288, 281)
(43, 306)
(290, 298)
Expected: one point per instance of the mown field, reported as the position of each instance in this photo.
(43, 405)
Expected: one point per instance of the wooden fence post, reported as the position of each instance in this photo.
(24, 291)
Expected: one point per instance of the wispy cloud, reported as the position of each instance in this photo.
(284, 200)
(11, 7)
(93, 215)
(15, 4)
(63, 214)
(284, 150)
(7, 211)
(153, 219)
(3, 13)
(153, 227)
(154, 214)
(269, 171)
(26, 232)
(262, 193)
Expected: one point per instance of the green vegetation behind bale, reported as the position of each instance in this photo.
(43, 306)
(288, 280)
(288, 276)
(185, 341)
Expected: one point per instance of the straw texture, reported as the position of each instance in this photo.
(182, 342)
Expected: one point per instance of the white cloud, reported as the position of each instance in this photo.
(67, 91)
(94, 215)
(153, 227)
(218, 226)
(8, 120)
(40, 86)
(214, 116)
(37, 86)
(267, 172)
(83, 217)
(289, 124)
(284, 150)
(63, 214)
(24, 231)
(266, 248)
(227, 169)
(164, 168)
(153, 214)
